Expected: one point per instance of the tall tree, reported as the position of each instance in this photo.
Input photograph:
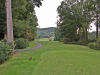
(97, 16)
(9, 22)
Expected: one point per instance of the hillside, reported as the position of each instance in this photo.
(45, 32)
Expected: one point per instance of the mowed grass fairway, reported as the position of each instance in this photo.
(54, 58)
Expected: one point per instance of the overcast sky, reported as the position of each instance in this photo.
(47, 14)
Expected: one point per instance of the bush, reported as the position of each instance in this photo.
(2, 57)
(98, 41)
(50, 39)
(95, 46)
(76, 43)
(26, 42)
(66, 40)
(4, 40)
(21, 43)
(82, 42)
(91, 40)
(5, 51)
(61, 40)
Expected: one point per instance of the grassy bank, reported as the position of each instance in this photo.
(54, 58)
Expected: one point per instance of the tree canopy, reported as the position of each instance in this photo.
(75, 16)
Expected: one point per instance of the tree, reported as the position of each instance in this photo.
(97, 6)
(75, 17)
(24, 18)
(9, 23)
(21, 11)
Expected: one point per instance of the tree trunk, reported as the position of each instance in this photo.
(9, 22)
(86, 28)
(80, 37)
(97, 27)
(5, 35)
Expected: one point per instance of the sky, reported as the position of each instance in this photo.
(47, 14)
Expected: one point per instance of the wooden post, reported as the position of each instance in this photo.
(9, 23)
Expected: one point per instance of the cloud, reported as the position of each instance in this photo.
(47, 13)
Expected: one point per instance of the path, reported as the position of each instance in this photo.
(38, 46)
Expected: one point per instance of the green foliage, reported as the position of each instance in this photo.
(18, 27)
(23, 15)
(56, 34)
(95, 46)
(50, 40)
(4, 40)
(61, 40)
(91, 40)
(66, 40)
(82, 42)
(92, 35)
(2, 18)
(75, 16)
(5, 50)
(26, 29)
(21, 43)
(76, 43)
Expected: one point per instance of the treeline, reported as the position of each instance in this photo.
(24, 18)
(75, 16)
(45, 32)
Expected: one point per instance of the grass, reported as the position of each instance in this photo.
(54, 58)
(43, 39)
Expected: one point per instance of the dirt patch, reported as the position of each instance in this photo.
(16, 54)
(30, 59)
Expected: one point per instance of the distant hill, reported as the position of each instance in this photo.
(45, 32)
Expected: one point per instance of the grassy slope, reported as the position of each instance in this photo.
(54, 58)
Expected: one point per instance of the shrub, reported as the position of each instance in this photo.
(95, 46)
(5, 51)
(4, 40)
(98, 41)
(66, 40)
(82, 42)
(61, 40)
(76, 43)
(2, 57)
(91, 40)
(26, 42)
(21, 43)
(50, 40)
